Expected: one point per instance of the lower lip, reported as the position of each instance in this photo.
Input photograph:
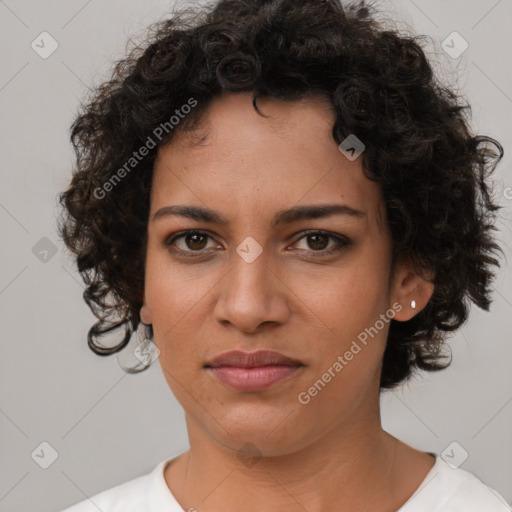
(253, 379)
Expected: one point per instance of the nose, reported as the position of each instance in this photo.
(252, 294)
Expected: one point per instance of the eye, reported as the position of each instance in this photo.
(194, 243)
(318, 241)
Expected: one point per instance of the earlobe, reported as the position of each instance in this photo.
(413, 291)
(145, 314)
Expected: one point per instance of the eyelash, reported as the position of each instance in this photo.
(342, 242)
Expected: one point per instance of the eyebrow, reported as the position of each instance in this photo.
(288, 216)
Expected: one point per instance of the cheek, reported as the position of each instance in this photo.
(180, 301)
(350, 352)
(172, 291)
(350, 304)
(347, 299)
(364, 287)
(168, 301)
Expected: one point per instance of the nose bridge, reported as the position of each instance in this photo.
(250, 293)
(250, 269)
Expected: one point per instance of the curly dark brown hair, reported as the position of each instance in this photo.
(433, 172)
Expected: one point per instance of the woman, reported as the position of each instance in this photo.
(283, 198)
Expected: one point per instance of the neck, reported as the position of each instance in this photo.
(351, 468)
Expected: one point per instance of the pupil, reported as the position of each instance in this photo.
(194, 237)
(316, 245)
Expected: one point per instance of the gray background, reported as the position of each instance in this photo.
(107, 426)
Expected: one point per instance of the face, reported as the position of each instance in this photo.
(305, 286)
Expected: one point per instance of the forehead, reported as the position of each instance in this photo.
(237, 160)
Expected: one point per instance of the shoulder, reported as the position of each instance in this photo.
(448, 489)
(129, 496)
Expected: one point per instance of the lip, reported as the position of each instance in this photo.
(252, 371)
(242, 359)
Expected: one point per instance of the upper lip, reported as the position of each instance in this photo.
(241, 359)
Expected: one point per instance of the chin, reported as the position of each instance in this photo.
(267, 432)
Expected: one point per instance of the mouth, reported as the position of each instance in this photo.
(251, 372)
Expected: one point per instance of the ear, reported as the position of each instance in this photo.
(408, 284)
(145, 313)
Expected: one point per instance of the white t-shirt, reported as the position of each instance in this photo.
(444, 489)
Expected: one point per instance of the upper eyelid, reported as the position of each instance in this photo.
(336, 236)
(172, 238)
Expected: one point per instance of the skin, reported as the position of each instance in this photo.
(332, 453)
